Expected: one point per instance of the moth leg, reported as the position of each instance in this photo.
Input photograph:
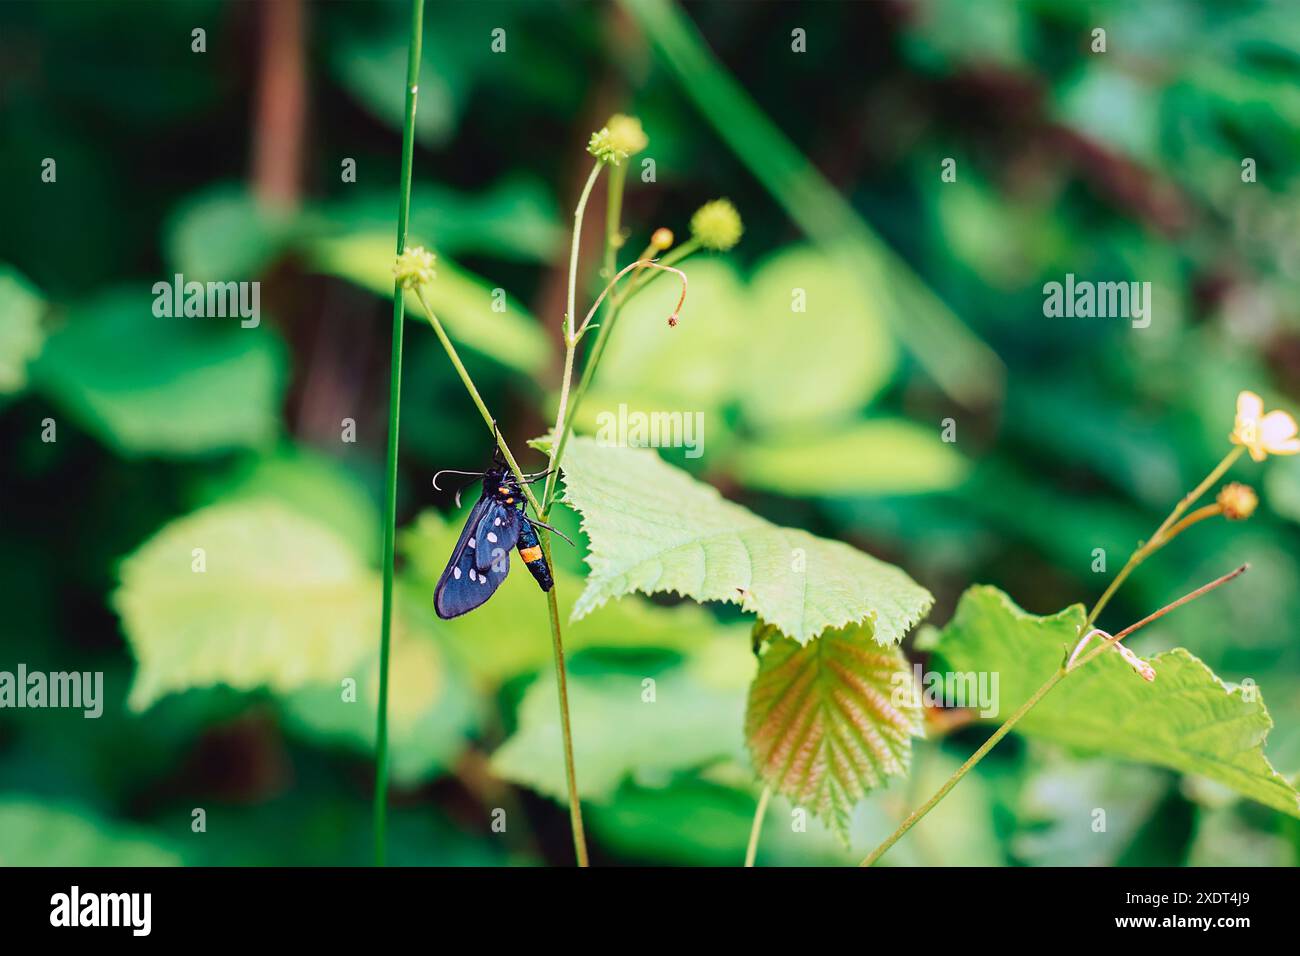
(542, 524)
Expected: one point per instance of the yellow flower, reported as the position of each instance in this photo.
(1238, 501)
(618, 139)
(414, 267)
(1263, 435)
(662, 238)
(716, 225)
(626, 134)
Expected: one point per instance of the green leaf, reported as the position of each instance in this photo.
(655, 529)
(514, 218)
(283, 602)
(165, 386)
(1187, 719)
(1224, 837)
(224, 234)
(829, 721)
(1282, 483)
(34, 833)
(832, 357)
(701, 350)
(620, 731)
(1058, 803)
(364, 63)
(430, 709)
(958, 360)
(492, 645)
(21, 335)
(320, 487)
(885, 456)
(692, 823)
(462, 301)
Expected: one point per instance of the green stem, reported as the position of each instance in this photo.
(557, 640)
(1059, 675)
(672, 257)
(915, 816)
(579, 212)
(394, 405)
(1160, 538)
(470, 387)
(567, 428)
(614, 218)
(613, 238)
(752, 850)
(566, 730)
(570, 341)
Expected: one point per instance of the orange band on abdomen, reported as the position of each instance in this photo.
(530, 554)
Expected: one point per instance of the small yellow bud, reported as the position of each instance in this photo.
(626, 134)
(662, 238)
(1238, 501)
(414, 267)
(717, 225)
(618, 139)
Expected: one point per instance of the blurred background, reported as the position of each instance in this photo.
(222, 690)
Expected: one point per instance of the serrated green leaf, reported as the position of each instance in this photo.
(21, 335)
(885, 456)
(1187, 719)
(34, 833)
(620, 732)
(653, 528)
(283, 602)
(509, 636)
(170, 386)
(829, 721)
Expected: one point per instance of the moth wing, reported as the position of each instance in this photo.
(462, 586)
(495, 535)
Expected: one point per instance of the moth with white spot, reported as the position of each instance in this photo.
(481, 559)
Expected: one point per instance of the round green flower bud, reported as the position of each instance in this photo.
(414, 267)
(717, 225)
(604, 147)
(626, 134)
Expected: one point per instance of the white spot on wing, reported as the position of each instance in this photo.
(455, 573)
(471, 542)
(492, 537)
(472, 575)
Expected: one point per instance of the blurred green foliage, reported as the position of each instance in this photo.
(1079, 435)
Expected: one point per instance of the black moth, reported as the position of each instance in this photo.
(481, 560)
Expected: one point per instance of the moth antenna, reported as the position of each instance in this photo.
(456, 471)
